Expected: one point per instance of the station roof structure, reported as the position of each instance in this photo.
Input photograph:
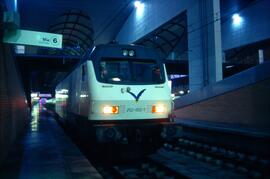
(86, 23)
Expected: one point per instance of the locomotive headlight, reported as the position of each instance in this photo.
(158, 109)
(110, 109)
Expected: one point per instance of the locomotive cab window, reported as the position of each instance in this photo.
(127, 71)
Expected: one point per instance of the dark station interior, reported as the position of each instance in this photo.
(134, 89)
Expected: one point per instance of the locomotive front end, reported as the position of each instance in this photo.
(130, 97)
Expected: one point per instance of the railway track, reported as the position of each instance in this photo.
(191, 157)
(146, 168)
(188, 157)
(185, 158)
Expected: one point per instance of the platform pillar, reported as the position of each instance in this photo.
(204, 42)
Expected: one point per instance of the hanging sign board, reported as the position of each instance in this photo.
(27, 37)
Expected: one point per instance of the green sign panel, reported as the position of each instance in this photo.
(27, 37)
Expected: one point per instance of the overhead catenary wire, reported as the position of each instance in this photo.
(226, 17)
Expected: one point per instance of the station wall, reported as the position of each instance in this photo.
(254, 26)
(247, 107)
(240, 100)
(13, 108)
(155, 13)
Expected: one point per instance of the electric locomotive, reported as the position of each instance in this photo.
(117, 93)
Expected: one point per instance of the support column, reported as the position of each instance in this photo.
(12, 5)
(204, 38)
(214, 47)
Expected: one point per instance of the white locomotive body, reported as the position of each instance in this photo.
(115, 89)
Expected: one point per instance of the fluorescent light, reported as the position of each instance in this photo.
(62, 91)
(229, 66)
(83, 96)
(45, 95)
(181, 92)
(33, 95)
(20, 49)
(116, 79)
(61, 96)
(175, 76)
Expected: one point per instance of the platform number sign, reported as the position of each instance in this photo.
(55, 40)
(26, 37)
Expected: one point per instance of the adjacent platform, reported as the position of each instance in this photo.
(249, 140)
(46, 152)
(223, 127)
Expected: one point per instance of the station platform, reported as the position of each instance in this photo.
(46, 152)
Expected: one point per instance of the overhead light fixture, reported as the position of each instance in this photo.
(137, 4)
(237, 19)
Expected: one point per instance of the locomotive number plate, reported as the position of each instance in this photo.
(136, 109)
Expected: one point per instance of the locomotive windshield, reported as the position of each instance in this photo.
(131, 72)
